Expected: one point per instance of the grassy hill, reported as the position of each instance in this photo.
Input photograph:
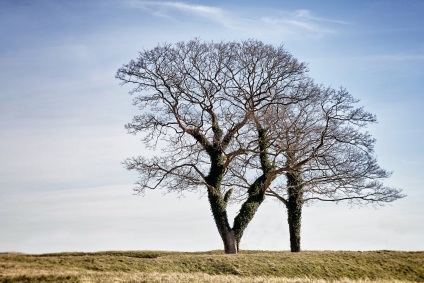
(214, 266)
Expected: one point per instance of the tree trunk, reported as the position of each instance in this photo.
(256, 190)
(230, 241)
(294, 219)
(249, 207)
(294, 208)
(232, 236)
(219, 211)
(218, 203)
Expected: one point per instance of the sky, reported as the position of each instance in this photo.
(62, 116)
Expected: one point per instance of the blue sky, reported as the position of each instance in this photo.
(62, 117)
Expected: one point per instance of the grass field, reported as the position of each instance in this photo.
(214, 266)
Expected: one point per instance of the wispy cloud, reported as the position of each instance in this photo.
(208, 12)
(290, 23)
(293, 22)
(306, 14)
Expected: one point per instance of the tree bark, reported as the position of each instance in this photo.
(230, 241)
(219, 211)
(218, 203)
(294, 208)
(249, 207)
(256, 190)
(232, 236)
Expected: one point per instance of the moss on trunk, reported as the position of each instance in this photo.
(217, 202)
(294, 208)
(256, 195)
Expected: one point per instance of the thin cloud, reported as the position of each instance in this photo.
(211, 13)
(307, 15)
(293, 23)
(179, 5)
(299, 21)
(302, 19)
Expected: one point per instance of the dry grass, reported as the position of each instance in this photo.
(132, 277)
(214, 266)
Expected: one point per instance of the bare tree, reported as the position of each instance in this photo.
(198, 100)
(319, 147)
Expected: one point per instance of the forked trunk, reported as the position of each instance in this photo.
(218, 207)
(227, 234)
(232, 236)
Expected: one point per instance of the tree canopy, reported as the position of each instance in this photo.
(239, 116)
(198, 98)
(320, 149)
